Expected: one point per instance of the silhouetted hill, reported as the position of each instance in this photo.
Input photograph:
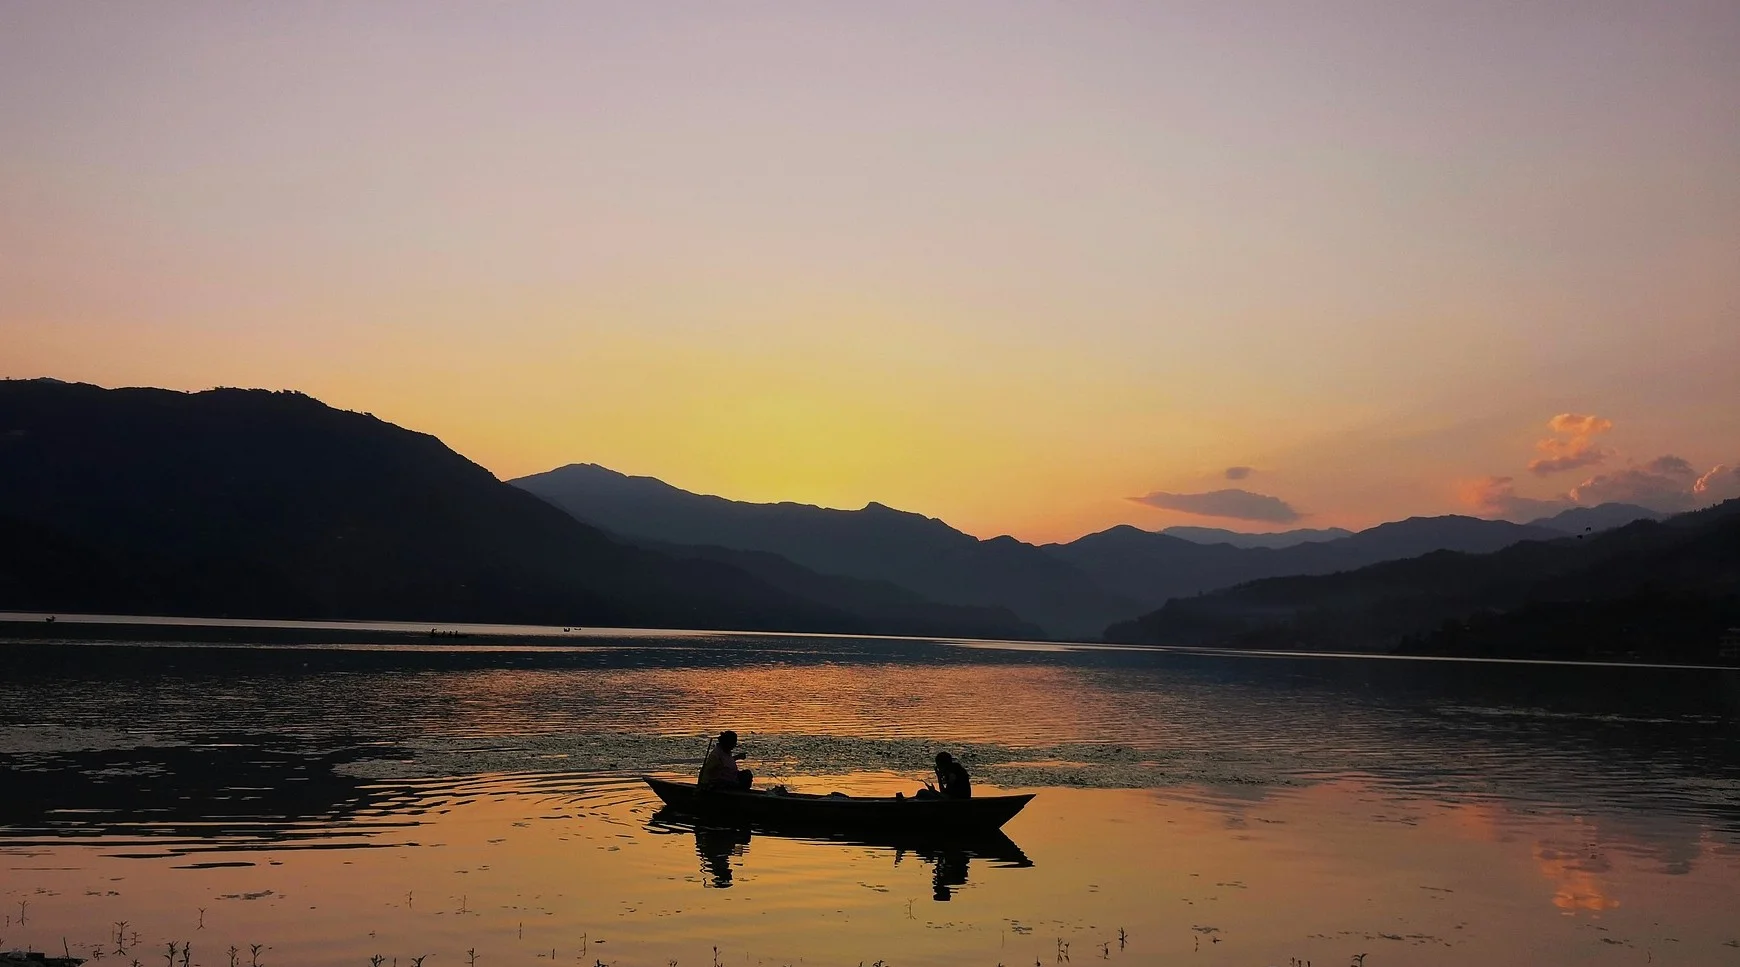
(876, 543)
(263, 504)
(1579, 520)
(1064, 588)
(1220, 535)
(1154, 568)
(1664, 590)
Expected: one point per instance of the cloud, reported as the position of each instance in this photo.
(1573, 444)
(1497, 497)
(1577, 424)
(1672, 466)
(1721, 483)
(1668, 483)
(1665, 483)
(1237, 504)
(1238, 473)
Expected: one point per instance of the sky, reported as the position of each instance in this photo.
(1034, 269)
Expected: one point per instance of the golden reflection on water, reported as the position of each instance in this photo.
(819, 699)
(332, 806)
(576, 868)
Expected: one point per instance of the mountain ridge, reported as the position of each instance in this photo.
(1666, 589)
(272, 504)
(1063, 588)
(876, 542)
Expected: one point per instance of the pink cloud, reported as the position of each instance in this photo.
(1722, 482)
(1573, 444)
(1577, 424)
(1665, 483)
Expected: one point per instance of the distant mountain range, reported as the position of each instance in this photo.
(263, 504)
(271, 504)
(1663, 590)
(1071, 590)
(875, 543)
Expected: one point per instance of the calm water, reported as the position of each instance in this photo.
(332, 803)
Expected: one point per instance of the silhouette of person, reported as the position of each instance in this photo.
(952, 781)
(720, 771)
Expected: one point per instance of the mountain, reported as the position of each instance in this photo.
(897, 610)
(272, 504)
(1220, 535)
(876, 543)
(1069, 590)
(1580, 520)
(1662, 590)
(1155, 567)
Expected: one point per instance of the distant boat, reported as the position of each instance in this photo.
(790, 810)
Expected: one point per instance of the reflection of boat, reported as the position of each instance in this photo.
(948, 852)
(840, 812)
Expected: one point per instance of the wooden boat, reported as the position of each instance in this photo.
(791, 810)
(992, 845)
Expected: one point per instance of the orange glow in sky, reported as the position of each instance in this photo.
(1009, 267)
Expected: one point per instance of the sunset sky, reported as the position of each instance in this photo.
(1010, 265)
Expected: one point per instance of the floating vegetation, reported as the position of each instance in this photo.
(778, 756)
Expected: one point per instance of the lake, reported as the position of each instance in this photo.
(479, 803)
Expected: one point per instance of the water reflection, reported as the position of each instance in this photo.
(1268, 800)
(949, 855)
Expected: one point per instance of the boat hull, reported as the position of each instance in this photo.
(799, 811)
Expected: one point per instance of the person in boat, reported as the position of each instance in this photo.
(952, 781)
(719, 770)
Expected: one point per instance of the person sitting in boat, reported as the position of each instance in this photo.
(952, 781)
(720, 771)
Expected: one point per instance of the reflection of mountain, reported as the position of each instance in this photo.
(1664, 591)
(223, 795)
(245, 502)
(272, 739)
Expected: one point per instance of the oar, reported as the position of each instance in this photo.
(704, 758)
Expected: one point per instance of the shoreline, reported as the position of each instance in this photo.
(123, 633)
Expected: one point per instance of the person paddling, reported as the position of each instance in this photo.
(719, 770)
